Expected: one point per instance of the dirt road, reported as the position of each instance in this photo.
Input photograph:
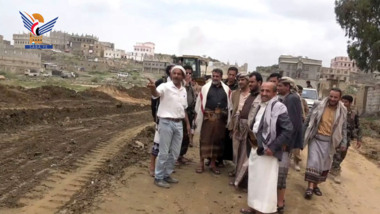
(209, 193)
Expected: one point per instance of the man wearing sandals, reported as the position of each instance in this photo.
(212, 116)
(171, 112)
(288, 95)
(326, 131)
(272, 127)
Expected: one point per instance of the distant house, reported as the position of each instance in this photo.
(142, 51)
(300, 67)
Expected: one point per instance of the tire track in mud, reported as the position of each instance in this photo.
(58, 189)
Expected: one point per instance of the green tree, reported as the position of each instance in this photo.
(361, 21)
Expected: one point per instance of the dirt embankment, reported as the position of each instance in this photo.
(48, 129)
(18, 97)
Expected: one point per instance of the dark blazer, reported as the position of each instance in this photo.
(284, 129)
(293, 104)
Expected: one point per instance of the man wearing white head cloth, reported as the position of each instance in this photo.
(171, 113)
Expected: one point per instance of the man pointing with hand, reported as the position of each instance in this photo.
(171, 113)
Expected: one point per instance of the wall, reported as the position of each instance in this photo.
(373, 99)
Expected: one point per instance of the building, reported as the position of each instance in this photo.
(344, 63)
(76, 42)
(154, 66)
(20, 40)
(114, 54)
(341, 69)
(94, 50)
(60, 40)
(300, 67)
(142, 51)
(335, 74)
(12, 58)
(107, 45)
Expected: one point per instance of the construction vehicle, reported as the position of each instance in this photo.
(199, 65)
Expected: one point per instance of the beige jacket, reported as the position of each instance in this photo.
(339, 134)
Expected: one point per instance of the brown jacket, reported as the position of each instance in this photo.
(235, 99)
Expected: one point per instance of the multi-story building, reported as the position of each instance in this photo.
(335, 74)
(344, 63)
(142, 51)
(13, 58)
(341, 69)
(300, 67)
(20, 40)
(76, 42)
(94, 50)
(152, 66)
(59, 39)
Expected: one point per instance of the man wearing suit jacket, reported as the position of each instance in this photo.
(271, 126)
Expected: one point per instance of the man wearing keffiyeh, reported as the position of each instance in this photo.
(271, 125)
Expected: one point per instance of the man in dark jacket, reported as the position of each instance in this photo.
(271, 125)
(190, 113)
(287, 94)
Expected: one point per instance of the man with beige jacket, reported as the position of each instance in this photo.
(326, 130)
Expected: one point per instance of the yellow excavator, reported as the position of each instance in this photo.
(199, 65)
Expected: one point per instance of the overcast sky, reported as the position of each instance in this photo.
(252, 31)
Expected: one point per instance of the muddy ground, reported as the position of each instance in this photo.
(88, 152)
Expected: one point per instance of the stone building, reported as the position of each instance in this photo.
(94, 50)
(77, 42)
(155, 66)
(300, 67)
(59, 40)
(341, 69)
(12, 58)
(20, 40)
(335, 74)
(344, 63)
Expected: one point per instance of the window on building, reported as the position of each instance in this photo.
(306, 68)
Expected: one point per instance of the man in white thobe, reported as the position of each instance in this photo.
(272, 127)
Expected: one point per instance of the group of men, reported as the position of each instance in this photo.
(259, 126)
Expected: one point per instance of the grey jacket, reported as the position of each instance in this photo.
(284, 129)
